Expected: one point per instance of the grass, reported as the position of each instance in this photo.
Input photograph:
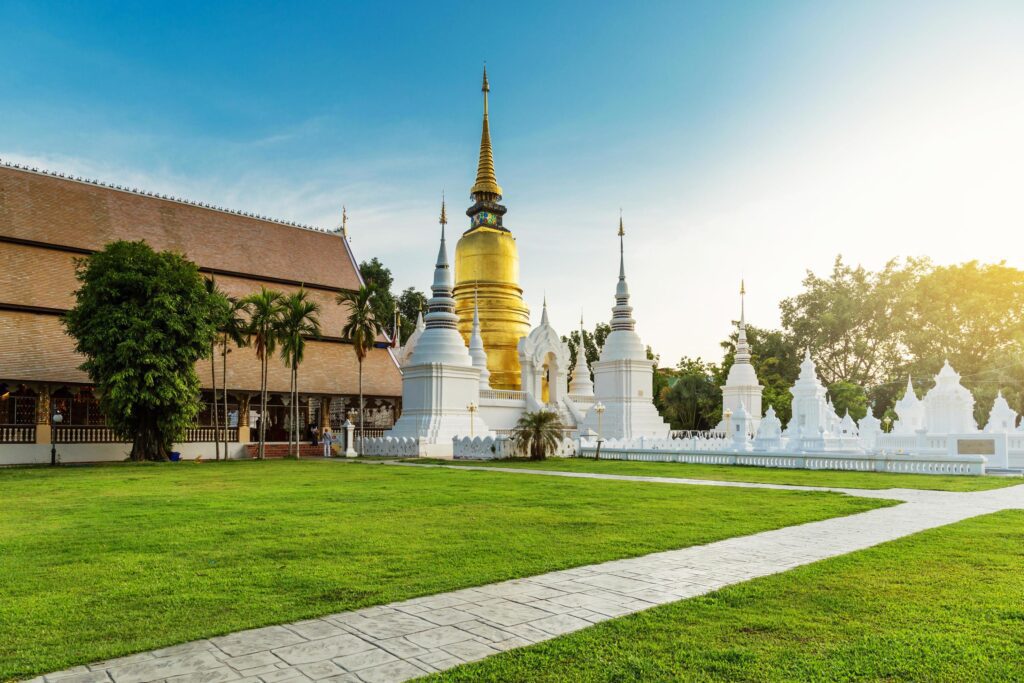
(97, 562)
(943, 605)
(860, 480)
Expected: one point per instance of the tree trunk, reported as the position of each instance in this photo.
(224, 376)
(263, 407)
(361, 434)
(216, 419)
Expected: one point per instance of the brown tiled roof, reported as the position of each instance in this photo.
(44, 208)
(46, 222)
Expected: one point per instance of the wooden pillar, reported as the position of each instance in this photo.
(243, 418)
(325, 413)
(44, 428)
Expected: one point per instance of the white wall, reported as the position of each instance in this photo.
(39, 453)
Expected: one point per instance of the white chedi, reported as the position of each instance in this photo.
(810, 408)
(949, 406)
(404, 353)
(869, 428)
(476, 349)
(1002, 418)
(909, 412)
(580, 384)
(742, 385)
(439, 380)
(741, 429)
(624, 375)
(769, 432)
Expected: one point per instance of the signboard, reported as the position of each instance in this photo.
(976, 446)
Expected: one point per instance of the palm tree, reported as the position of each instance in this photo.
(264, 320)
(537, 433)
(234, 329)
(361, 329)
(219, 306)
(300, 318)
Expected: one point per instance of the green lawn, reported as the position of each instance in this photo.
(860, 480)
(97, 562)
(943, 605)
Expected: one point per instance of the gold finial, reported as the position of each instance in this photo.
(622, 231)
(486, 181)
(444, 214)
(743, 287)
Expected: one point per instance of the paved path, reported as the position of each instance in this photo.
(404, 640)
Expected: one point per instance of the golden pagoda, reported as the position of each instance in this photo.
(487, 268)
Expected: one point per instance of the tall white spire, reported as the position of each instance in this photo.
(742, 354)
(441, 307)
(476, 347)
(622, 313)
(441, 341)
(581, 385)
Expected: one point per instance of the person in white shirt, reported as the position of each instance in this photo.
(327, 439)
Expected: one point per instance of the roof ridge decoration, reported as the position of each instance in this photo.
(158, 195)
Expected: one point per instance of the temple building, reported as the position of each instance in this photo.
(487, 272)
(49, 220)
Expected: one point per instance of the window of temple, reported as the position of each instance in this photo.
(17, 407)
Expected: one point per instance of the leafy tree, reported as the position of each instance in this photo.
(692, 399)
(361, 329)
(300, 319)
(142, 320)
(852, 320)
(969, 314)
(538, 433)
(593, 342)
(378, 278)
(847, 396)
(264, 323)
(410, 303)
(234, 329)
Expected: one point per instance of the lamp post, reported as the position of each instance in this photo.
(887, 421)
(599, 409)
(472, 411)
(56, 419)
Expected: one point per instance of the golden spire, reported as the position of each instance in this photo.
(486, 181)
(444, 215)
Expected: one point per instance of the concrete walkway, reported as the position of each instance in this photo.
(408, 639)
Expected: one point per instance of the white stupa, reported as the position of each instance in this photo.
(742, 386)
(624, 376)
(476, 349)
(869, 428)
(404, 353)
(1002, 418)
(811, 411)
(439, 380)
(769, 432)
(949, 406)
(581, 385)
(909, 411)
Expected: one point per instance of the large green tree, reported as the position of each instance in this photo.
(410, 304)
(853, 319)
(379, 280)
(142, 319)
(691, 397)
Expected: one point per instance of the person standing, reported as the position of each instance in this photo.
(314, 434)
(327, 439)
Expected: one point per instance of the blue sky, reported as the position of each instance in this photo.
(748, 140)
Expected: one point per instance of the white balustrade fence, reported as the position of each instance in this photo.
(937, 463)
(499, 447)
(390, 446)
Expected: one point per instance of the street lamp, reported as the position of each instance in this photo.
(599, 409)
(888, 423)
(472, 411)
(56, 419)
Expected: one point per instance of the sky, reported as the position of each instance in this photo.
(753, 140)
